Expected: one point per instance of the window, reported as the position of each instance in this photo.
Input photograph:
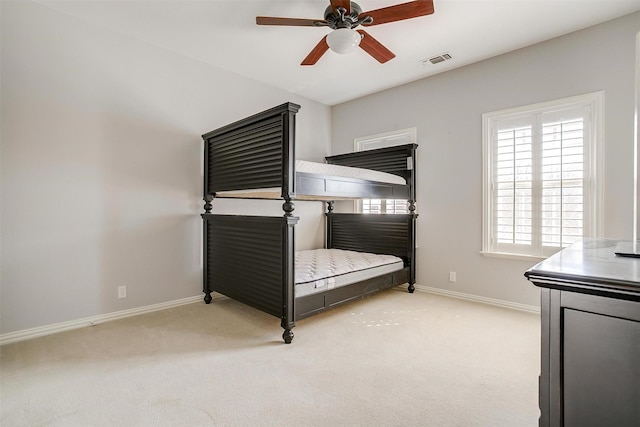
(376, 206)
(387, 139)
(541, 191)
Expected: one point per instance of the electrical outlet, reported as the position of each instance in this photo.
(452, 276)
(122, 291)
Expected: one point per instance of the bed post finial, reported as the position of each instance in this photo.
(288, 207)
(330, 206)
(207, 203)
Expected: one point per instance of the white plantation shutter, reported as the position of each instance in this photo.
(397, 206)
(539, 176)
(376, 206)
(513, 185)
(372, 206)
(563, 184)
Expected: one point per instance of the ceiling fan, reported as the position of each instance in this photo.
(343, 16)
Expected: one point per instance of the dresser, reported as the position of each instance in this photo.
(590, 318)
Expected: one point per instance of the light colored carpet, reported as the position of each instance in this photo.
(394, 359)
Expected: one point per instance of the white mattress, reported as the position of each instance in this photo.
(318, 169)
(319, 270)
(348, 172)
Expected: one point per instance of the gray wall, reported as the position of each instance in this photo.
(101, 175)
(447, 111)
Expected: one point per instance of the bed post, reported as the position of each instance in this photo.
(205, 266)
(412, 245)
(288, 194)
(288, 274)
(328, 225)
(412, 240)
(411, 177)
(412, 251)
(330, 204)
(289, 157)
(411, 167)
(208, 198)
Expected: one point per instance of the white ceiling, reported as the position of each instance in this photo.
(223, 33)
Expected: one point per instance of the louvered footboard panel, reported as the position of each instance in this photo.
(246, 259)
(380, 234)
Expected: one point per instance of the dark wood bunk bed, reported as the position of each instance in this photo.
(258, 152)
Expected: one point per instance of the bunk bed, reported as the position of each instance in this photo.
(254, 158)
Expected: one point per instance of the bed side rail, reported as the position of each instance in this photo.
(251, 259)
(255, 152)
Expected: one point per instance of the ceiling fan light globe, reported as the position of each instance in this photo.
(343, 40)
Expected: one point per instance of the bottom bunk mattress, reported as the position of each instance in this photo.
(319, 270)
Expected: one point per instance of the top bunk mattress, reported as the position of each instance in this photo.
(348, 172)
(311, 169)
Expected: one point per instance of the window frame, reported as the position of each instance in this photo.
(385, 139)
(593, 162)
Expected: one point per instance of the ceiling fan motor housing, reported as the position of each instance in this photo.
(338, 18)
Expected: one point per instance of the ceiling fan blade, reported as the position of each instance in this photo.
(296, 22)
(398, 12)
(341, 3)
(374, 48)
(316, 52)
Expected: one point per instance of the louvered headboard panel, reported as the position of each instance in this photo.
(256, 152)
(389, 159)
(399, 160)
(379, 234)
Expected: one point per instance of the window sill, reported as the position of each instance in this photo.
(513, 256)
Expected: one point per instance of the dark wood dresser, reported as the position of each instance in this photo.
(590, 315)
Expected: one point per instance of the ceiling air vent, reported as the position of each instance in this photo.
(437, 59)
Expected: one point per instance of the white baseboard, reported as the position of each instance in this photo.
(41, 331)
(476, 298)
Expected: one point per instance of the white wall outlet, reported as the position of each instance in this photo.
(122, 291)
(452, 276)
